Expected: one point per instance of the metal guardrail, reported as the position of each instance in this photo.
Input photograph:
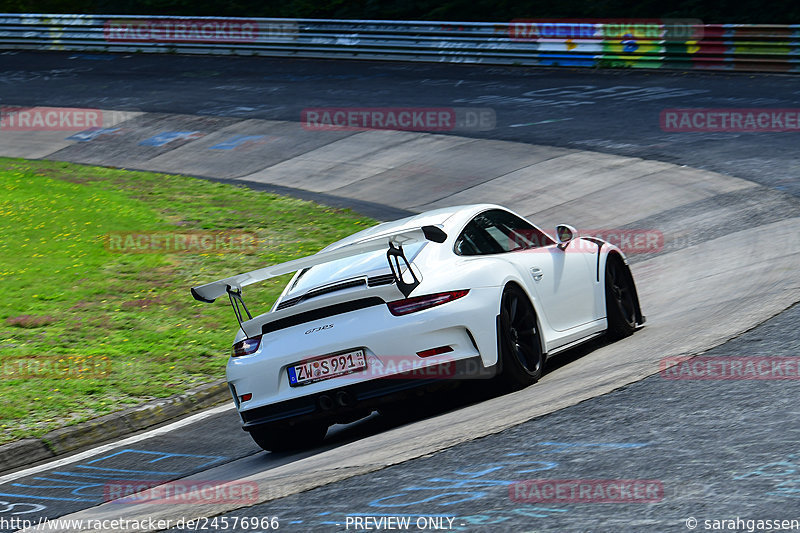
(648, 44)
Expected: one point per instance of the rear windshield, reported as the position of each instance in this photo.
(369, 264)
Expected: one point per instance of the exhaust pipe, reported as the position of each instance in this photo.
(344, 399)
(325, 402)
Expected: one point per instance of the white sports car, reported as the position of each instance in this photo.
(388, 313)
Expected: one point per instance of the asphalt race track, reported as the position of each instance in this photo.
(723, 284)
(609, 111)
(719, 453)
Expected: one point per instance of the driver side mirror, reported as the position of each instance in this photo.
(565, 234)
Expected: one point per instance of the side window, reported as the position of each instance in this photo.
(498, 231)
(475, 241)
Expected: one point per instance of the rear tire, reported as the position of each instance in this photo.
(282, 436)
(519, 340)
(620, 299)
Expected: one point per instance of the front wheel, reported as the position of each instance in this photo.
(282, 436)
(620, 299)
(519, 340)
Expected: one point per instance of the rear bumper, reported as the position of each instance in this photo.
(464, 328)
(361, 398)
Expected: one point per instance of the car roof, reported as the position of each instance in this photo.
(450, 218)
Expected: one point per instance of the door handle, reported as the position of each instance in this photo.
(537, 273)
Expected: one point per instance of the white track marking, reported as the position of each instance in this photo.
(110, 446)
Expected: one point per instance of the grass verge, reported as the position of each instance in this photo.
(87, 328)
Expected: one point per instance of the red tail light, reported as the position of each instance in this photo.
(418, 303)
(246, 347)
(435, 351)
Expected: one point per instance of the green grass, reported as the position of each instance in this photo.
(123, 328)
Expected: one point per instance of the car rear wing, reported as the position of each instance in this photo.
(392, 242)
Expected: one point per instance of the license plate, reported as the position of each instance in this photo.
(327, 367)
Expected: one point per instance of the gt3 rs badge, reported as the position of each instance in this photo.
(320, 328)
